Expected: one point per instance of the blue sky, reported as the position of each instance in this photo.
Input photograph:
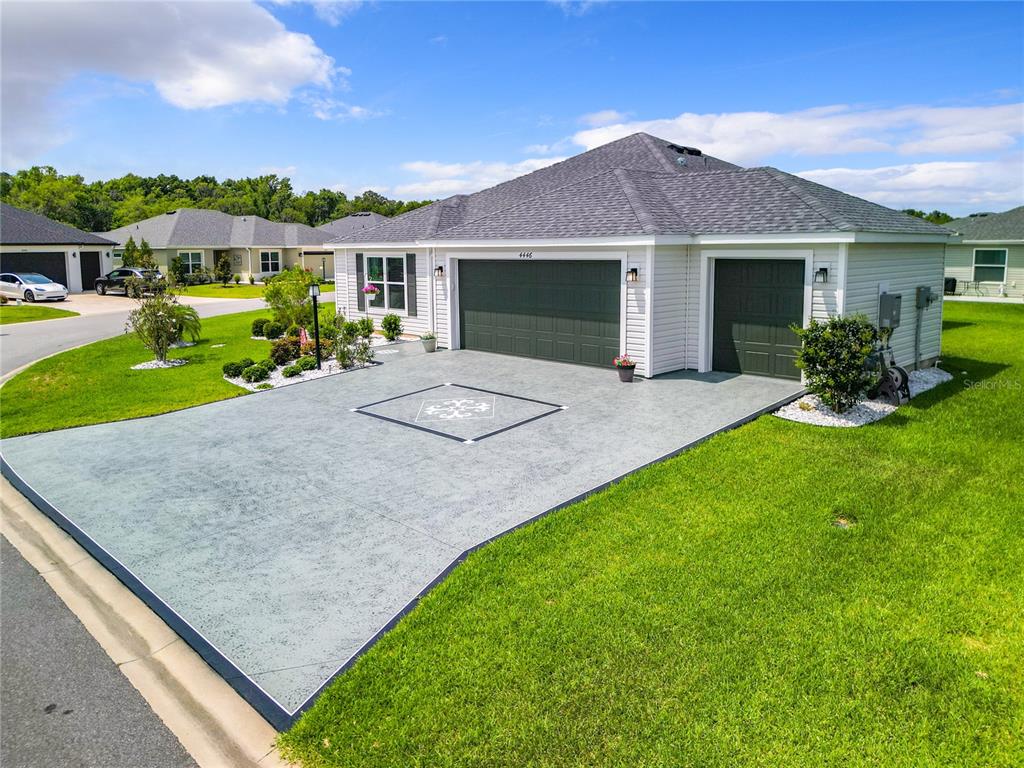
(916, 104)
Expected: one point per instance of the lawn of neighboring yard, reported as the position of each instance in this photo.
(232, 291)
(26, 313)
(95, 384)
(707, 612)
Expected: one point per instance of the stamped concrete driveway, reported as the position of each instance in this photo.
(286, 529)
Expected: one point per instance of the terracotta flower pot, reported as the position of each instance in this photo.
(626, 373)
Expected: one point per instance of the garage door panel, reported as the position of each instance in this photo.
(557, 310)
(52, 264)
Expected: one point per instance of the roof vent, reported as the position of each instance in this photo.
(685, 150)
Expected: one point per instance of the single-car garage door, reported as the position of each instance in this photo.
(756, 301)
(52, 265)
(556, 310)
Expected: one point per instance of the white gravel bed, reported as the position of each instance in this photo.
(865, 412)
(151, 364)
(277, 379)
(182, 344)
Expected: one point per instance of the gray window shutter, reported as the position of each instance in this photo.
(360, 282)
(410, 284)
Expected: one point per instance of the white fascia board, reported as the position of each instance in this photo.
(783, 238)
(544, 242)
(896, 237)
(993, 242)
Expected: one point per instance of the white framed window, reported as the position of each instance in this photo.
(990, 265)
(192, 261)
(270, 261)
(387, 275)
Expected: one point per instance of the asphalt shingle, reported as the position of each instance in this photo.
(198, 227)
(1008, 225)
(20, 227)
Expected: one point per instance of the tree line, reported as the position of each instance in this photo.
(100, 206)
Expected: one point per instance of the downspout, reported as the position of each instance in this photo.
(249, 251)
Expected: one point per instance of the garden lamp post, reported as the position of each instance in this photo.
(314, 292)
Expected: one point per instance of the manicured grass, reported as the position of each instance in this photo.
(95, 384)
(707, 612)
(26, 313)
(232, 291)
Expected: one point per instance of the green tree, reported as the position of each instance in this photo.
(222, 271)
(287, 295)
(145, 258)
(935, 217)
(130, 256)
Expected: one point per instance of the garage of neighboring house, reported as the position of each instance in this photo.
(756, 301)
(554, 310)
(49, 263)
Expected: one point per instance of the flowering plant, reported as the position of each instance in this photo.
(370, 289)
(624, 361)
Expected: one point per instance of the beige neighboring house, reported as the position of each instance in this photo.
(986, 258)
(256, 246)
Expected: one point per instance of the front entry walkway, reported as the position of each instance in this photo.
(280, 533)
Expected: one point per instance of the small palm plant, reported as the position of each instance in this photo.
(160, 321)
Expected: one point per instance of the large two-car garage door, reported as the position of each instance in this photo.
(53, 265)
(756, 302)
(556, 310)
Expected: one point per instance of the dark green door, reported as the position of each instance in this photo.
(556, 310)
(756, 301)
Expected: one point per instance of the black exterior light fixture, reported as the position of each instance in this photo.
(632, 275)
(314, 292)
(821, 275)
(439, 270)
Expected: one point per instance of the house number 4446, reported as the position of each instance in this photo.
(526, 254)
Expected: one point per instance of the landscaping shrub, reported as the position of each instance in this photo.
(222, 269)
(326, 348)
(363, 352)
(391, 326)
(349, 331)
(237, 279)
(267, 364)
(273, 330)
(159, 321)
(832, 357)
(259, 325)
(366, 327)
(255, 373)
(288, 297)
(234, 370)
(293, 331)
(284, 350)
(291, 370)
(344, 355)
(252, 279)
(306, 363)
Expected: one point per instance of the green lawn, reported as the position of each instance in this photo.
(26, 313)
(95, 383)
(232, 291)
(707, 612)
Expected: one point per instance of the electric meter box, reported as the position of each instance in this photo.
(924, 296)
(889, 307)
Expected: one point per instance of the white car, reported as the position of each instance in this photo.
(31, 286)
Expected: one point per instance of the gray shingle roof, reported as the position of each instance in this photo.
(19, 227)
(197, 227)
(351, 223)
(1008, 225)
(642, 185)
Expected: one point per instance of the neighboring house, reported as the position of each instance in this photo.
(987, 256)
(352, 223)
(645, 247)
(255, 245)
(33, 243)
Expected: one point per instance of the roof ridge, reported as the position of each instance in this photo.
(785, 180)
(648, 141)
(643, 215)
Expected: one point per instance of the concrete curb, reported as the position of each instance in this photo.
(215, 725)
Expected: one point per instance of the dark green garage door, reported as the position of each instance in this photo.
(756, 301)
(52, 265)
(556, 310)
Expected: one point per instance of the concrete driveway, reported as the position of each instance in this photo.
(280, 533)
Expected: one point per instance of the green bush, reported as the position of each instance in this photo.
(252, 279)
(306, 363)
(288, 297)
(291, 370)
(255, 373)
(284, 350)
(160, 321)
(363, 353)
(259, 325)
(268, 365)
(326, 348)
(237, 279)
(273, 330)
(293, 331)
(832, 357)
(365, 327)
(265, 385)
(391, 326)
(344, 355)
(234, 370)
(349, 332)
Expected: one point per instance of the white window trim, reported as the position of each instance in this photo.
(975, 265)
(270, 253)
(387, 283)
(188, 262)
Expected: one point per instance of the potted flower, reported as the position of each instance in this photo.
(370, 291)
(626, 366)
(429, 341)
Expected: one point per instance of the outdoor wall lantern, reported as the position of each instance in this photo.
(821, 276)
(632, 275)
(439, 270)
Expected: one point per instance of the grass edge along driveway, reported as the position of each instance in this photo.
(30, 313)
(707, 612)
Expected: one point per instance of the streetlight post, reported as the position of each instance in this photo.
(314, 292)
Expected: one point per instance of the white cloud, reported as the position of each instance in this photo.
(332, 12)
(196, 56)
(560, 147)
(444, 179)
(576, 7)
(956, 186)
(603, 117)
(441, 40)
(329, 108)
(751, 137)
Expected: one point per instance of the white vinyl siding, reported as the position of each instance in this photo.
(676, 309)
(903, 268)
(637, 296)
(960, 264)
(348, 288)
